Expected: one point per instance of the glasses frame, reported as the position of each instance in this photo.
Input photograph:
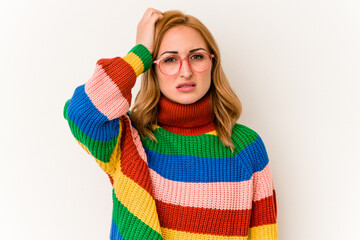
(157, 62)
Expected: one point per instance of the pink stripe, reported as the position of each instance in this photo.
(105, 95)
(218, 195)
(263, 184)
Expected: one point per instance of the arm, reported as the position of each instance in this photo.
(263, 223)
(97, 110)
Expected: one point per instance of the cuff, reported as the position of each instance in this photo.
(139, 58)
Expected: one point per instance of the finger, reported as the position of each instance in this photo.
(150, 11)
(157, 16)
(155, 10)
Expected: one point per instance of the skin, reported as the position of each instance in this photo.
(145, 32)
(183, 39)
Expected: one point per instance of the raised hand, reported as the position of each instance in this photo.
(146, 28)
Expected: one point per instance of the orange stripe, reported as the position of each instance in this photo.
(132, 165)
(204, 220)
(264, 211)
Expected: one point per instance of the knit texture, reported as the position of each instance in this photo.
(186, 186)
(189, 119)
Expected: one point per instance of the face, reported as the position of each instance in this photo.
(181, 40)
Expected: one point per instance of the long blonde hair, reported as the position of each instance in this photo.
(225, 105)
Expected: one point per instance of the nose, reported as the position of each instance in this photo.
(185, 70)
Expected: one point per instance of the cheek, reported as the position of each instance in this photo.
(159, 78)
(208, 79)
(162, 86)
(163, 83)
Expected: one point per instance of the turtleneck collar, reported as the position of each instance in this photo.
(186, 119)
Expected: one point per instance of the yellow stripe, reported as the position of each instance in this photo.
(256, 233)
(170, 234)
(269, 231)
(146, 211)
(135, 62)
(212, 133)
(154, 126)
(107, 167)
(130, 194)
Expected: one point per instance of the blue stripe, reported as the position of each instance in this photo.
(187, 168)
(114, 234)
(89, 119)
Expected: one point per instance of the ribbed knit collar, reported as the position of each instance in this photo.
(186, 119)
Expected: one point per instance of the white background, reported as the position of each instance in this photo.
(293, 64)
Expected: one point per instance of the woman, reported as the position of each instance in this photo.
(180, 165)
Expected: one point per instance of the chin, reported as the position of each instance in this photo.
(187, 100)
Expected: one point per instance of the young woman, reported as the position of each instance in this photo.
(180, 166)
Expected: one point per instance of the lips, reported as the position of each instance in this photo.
(186, 84)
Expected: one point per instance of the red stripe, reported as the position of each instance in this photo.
(274, 192)
(264, 211)
(132, 164)
(186, 119)
(204, 220)
(111, 179)
(121, 73)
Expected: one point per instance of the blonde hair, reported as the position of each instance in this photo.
(225, 105)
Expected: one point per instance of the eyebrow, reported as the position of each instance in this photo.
(176, 52)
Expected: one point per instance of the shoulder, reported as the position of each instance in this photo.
(252, 142)
(244, 133)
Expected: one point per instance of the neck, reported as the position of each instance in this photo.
(186, 119)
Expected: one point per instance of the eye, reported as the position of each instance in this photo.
(170, 59)
(197, 56)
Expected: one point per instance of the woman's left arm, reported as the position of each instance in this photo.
(263, 223)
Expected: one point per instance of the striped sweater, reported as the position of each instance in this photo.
(185, 186)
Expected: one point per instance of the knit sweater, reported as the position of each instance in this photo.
(188, 185)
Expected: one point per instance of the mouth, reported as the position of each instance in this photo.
(184, 85)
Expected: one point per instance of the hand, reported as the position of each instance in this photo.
(146, 28)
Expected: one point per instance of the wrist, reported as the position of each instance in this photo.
(140, 58)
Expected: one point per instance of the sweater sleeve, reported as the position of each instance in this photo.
(263, 222)
(97, 111)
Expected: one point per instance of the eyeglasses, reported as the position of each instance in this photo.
(171, 64)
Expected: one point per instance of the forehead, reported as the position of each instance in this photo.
(181, 39)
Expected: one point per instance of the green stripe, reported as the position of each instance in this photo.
(131, 227)
(101, 150)
(143, 53)
(174, 144)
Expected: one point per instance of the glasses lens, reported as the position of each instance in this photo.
(200, 62)
(170, 65)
